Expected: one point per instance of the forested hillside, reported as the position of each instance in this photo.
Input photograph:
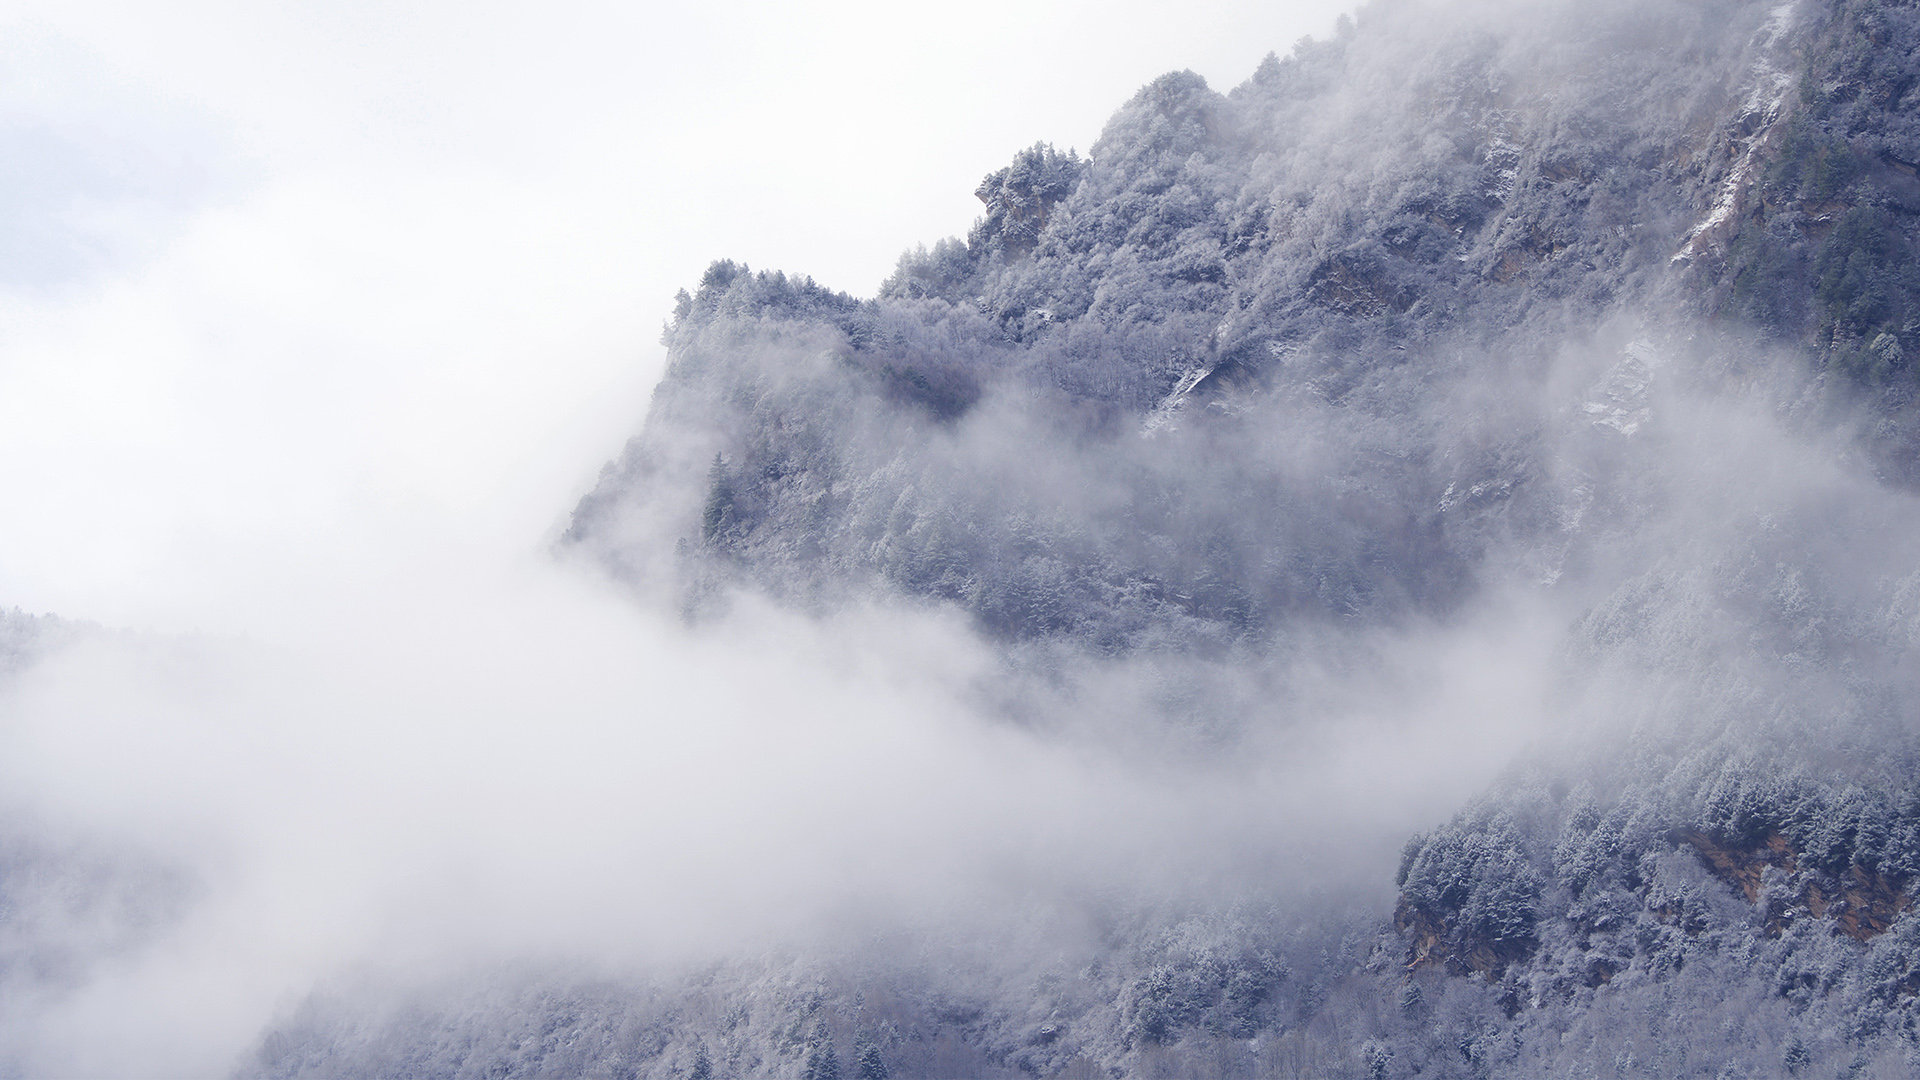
(1367, 267)
(1498, 389)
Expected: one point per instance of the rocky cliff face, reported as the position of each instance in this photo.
(1610, 308)
(1389, 244)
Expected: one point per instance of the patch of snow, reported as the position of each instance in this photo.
(1622, 399)
(1765, 99)
(1163, 414)
(1498, 487)
(1573, 508)
(1505, 155)
(1190, 380)
(1780, 20)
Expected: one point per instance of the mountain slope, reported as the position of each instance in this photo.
(1367, 265)
(1590, 320)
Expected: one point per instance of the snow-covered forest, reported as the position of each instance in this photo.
(1406, 567)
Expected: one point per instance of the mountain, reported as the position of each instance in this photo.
(1359, 247)
(1586, 329)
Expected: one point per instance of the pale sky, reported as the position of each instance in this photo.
(315, 320)
(288, 284)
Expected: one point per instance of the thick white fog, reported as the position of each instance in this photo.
(317, 321)
(314, 324)
(292, 277)
(419, 776)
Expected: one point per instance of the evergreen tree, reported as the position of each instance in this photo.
(822, 1063)
(716, 517)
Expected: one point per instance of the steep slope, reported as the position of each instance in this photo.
(1598, 313)
(1367, 265)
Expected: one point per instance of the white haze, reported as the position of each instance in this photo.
(316, 321)
(445, 762)
(334, 313)
(287, 275)
(538, 773)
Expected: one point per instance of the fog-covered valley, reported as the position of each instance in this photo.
(1404, 567)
